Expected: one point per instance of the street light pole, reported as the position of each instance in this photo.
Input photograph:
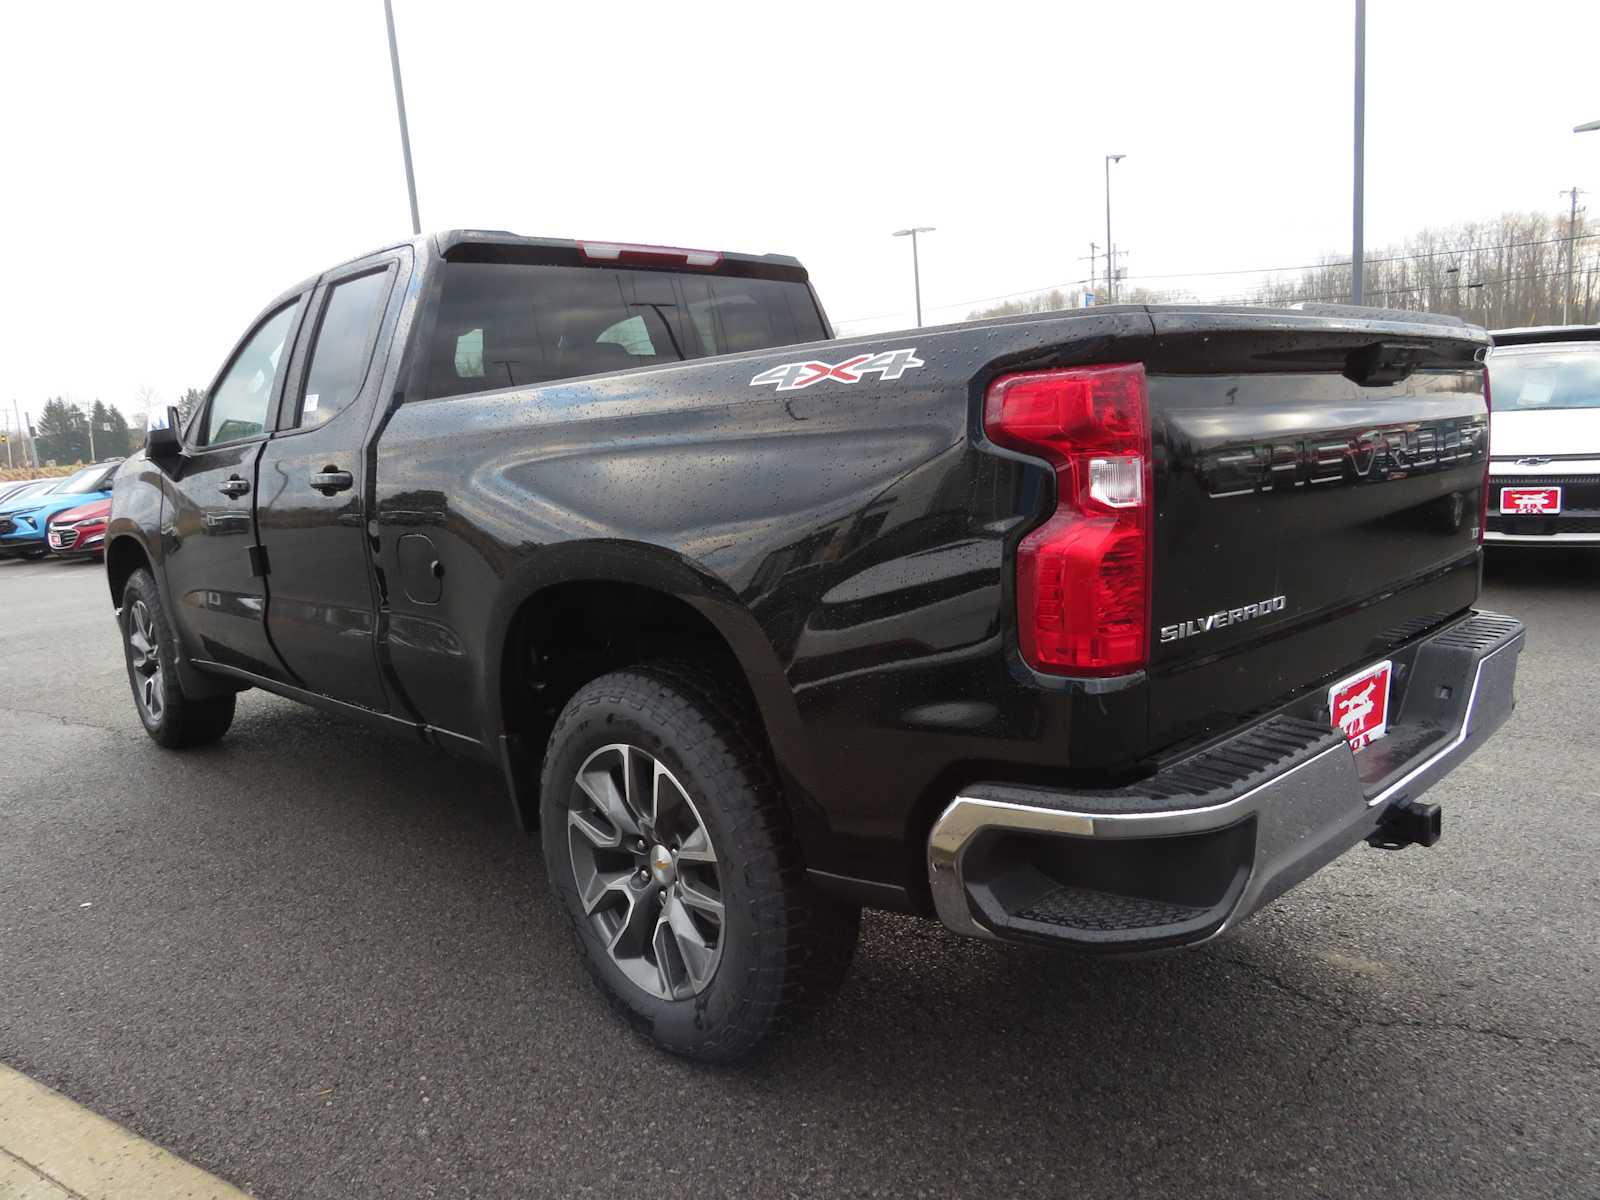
(916, 267)
(400, 108)
(1358, 250)
(1572, 230)
(1111, 253)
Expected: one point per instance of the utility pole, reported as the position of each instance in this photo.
(400, 108)
(1114, 266)
(1572, 246)
(1111, 257)
(22, 432)
(916, 267)
(1358, 261)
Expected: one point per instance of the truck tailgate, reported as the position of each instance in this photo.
(1318, 491)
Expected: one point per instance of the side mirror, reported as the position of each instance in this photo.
(162, 440)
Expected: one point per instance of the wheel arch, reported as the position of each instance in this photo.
(653, 596)
(125, 554)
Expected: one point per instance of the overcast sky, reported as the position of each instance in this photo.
(169, 167)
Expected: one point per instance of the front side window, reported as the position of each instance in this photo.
(238, 407)
(343, 348)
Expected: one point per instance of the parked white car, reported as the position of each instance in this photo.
(1545, 437)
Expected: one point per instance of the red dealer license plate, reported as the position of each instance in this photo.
(1530, 500)
(1360, 705)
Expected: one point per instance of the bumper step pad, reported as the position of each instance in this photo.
(1083, 908)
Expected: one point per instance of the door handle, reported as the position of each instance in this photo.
(234, 486)
(330, 480)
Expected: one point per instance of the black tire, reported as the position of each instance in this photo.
(173, 719)
(782, 947)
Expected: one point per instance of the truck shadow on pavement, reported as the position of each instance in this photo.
(1539, 570)
(323, 961)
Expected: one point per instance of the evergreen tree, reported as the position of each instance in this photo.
(111, 439)
(61, 433)
(191, 399)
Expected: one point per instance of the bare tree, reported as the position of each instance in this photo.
(1509, 271)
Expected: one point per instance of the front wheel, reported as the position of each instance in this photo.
(668, 845)
(173, 719)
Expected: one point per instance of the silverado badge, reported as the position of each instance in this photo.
(1226, 616)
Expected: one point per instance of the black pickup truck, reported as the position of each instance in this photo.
(1096, 629)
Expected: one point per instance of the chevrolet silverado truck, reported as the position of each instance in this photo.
(1097, 629)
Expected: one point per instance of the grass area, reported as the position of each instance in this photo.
(16, 474)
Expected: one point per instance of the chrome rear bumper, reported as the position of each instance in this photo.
(1211, 839)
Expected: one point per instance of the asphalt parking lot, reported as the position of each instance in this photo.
(319, 962)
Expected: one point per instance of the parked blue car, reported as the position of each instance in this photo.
(24, 517)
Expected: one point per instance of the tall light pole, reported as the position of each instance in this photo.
(1572, 229)
(1111, 251)
(400, 107)
(916, 267)
(1358, 254)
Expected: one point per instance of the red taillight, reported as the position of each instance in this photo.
(1488, 440)
(1083, 577)
(628, 252)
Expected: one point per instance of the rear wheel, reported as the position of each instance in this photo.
(170, 717)
(668, 845)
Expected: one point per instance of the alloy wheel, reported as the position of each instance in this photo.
(646, 871)
(144, 654)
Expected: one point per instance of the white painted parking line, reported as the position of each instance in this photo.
(54, 1149)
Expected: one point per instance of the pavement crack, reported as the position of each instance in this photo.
(1334, 1047)
(61, 720)
(1359, 1021)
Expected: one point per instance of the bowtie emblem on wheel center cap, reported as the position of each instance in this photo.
(662, 866)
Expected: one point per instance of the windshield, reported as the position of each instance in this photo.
(1547, 377)
(86, 480)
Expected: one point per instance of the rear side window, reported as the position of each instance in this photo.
(343, 349)
(515, 324)
(734, 315)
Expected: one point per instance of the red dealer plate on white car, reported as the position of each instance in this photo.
(1360, 705)
(1530, 500)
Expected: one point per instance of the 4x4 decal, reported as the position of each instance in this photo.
(791, 377)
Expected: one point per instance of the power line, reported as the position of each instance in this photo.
(1345, 262)
(1478, 283)
(1456, 253)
